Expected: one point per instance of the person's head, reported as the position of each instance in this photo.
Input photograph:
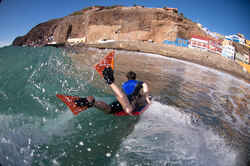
(131, 75)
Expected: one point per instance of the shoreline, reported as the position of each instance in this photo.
(195, 56)
(202, 58)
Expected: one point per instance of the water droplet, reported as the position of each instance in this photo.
(108, 154)
(44, 120)
(32, 153)
(29, 141)
(4, 140)
(79, 126)
(55, 162)
(81, 143)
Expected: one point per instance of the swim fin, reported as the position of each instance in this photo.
(76, 104)
(107, 61)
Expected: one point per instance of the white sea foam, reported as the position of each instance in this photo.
(167, 135)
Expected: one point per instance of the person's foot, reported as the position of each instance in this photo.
(85, 102)
(108, 75)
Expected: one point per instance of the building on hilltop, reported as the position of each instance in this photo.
(178, 42)
(242, 58)
(76, 40)
(215, 46)
(205, 44)
(198, 42)
(227, 42)
(228, 51)
(236, 38)
(241, 35)
(174, 10)
(247, 43)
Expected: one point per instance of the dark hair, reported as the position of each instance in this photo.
(131, 75)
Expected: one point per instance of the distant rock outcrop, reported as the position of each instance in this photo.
(113, 23)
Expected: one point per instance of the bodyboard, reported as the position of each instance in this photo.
(70, 102)
(107, 61)
(136, 112)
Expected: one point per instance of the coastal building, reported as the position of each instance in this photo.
(227, 42)
(247, 43)
(246, 67)
(236, 38)
(214, 46)
(242, 58)
(219, 36)
(52, 43)
(198, 42)
(178, 42)
(174, 10)
(76, 40)
(228, 51)
(206, 44)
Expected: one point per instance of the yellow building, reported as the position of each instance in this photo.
(245, 66)
(248, 43)
(227, 42)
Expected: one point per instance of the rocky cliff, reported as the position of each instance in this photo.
(113, 23)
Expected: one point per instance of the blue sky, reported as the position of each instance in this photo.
(17, 17)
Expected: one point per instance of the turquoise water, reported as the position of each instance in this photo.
(193, 125)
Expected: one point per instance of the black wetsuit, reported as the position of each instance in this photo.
(132, 91)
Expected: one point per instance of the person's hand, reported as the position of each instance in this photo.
(108, 75)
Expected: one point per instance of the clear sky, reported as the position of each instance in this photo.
(226, 17)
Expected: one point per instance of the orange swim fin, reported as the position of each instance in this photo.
(107, 61)
(70, 101)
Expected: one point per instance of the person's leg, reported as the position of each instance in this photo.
(99, 104)
(122, 98)
(108, 75)
(102, 106)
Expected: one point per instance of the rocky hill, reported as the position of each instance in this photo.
(113, 23)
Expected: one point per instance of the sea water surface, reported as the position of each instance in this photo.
(199, 116)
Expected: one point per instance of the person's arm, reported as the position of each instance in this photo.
(145, 90)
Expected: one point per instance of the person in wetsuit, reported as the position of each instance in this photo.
(134, 93)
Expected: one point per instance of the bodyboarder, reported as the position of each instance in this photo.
(134, 94)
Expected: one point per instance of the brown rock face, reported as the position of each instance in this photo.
(38, 35)
(113, 23)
